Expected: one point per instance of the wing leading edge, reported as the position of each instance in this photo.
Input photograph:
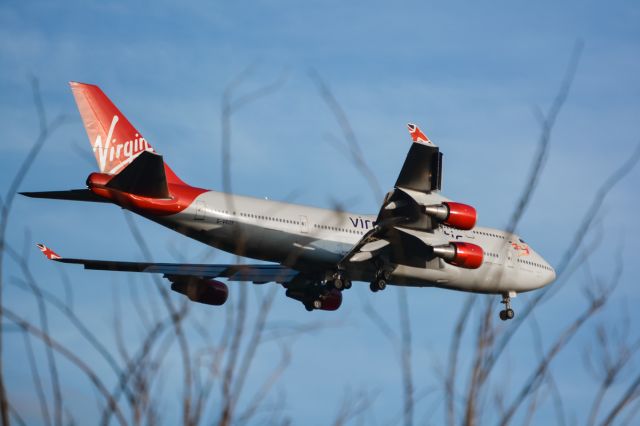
(256, 273)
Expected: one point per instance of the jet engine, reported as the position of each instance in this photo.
(326, 301)
(463, 255)
(332, 300)
(209, 292)
(455, 215)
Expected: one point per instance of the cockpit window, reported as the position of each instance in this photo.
(522, 241)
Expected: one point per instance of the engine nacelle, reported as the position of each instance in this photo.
(209, 292)
(332, 300)
(463, 255)
(455, 215)
(328, 301)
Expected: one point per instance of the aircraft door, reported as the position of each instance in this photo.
(510, 257)
(304, 224)
(201, 209)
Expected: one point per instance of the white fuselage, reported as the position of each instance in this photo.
(313, 239)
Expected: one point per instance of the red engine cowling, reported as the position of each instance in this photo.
(463, 255)
(455, 215)
(332, 300)
(209, 292)
(329, 301)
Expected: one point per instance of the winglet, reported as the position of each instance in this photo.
(417, 135)
(49, 254)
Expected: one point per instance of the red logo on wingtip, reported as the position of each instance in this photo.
(416, 134)
(49, 254)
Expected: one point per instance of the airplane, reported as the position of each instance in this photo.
(419, 238)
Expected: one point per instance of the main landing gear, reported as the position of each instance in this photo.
(381, 280)
(315, 304)
(339, 282)
(507, 313)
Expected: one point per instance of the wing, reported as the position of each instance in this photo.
(258, 273)
(402, 227)
(422, 169)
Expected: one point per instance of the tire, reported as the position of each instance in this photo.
(317, 304)
(510, 314)
(381, 284)
(338, 284)
(503, 315)
(373, 287)
(347, 284)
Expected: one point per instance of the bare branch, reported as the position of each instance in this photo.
(266, 386)
(63, 307)
(405, 356)
(177, 323)
(68, 354)
(44, 325)
(45, 130)
(353, 405)
(547, 122)
(454, 349)
(355, 151)
(37, 381)
(535, 380)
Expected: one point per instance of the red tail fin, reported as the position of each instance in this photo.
(115, 142)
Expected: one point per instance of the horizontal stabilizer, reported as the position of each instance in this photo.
(145, 176)
(73, 194)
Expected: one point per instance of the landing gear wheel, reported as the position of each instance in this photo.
(338, 284)
(380, 283)
(317, 304)
(347, 284)
(507, 313)
(308, 307)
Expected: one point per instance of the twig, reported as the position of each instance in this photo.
(37, 382)
(176, 323)
(355, 151)
(68, 354)
(454, 350)
(45, 130)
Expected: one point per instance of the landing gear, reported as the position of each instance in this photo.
(317, 304)
(339, 282)
(507, 313)
(380, 282)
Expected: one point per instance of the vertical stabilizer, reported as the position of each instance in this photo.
(115, 142)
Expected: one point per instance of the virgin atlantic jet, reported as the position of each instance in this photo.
(419, 238)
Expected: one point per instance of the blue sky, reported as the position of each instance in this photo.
(470, 74)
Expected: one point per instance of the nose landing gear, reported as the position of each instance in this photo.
(507, 313)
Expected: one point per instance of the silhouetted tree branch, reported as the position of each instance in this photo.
(46, 128)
